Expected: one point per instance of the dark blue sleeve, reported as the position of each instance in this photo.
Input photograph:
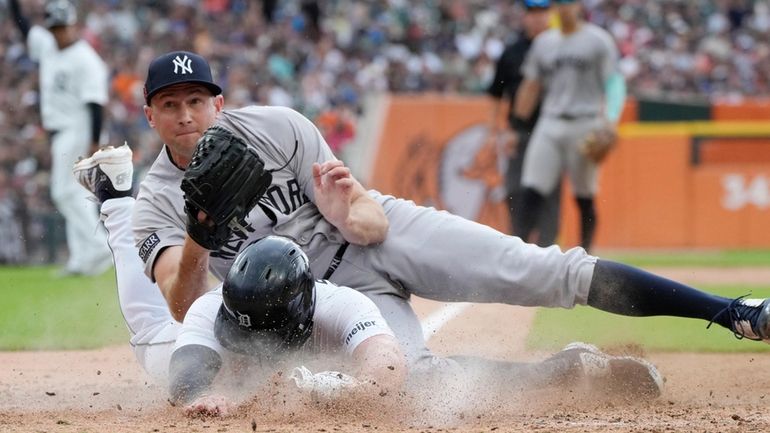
(191, 372)
(21, 21)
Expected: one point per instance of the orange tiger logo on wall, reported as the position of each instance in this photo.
(463, 175)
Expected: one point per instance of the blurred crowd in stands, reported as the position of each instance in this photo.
(323, 57)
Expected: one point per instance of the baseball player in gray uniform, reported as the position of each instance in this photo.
(73, 91)
(576, 65)
(385, 247)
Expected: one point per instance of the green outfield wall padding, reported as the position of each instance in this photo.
(660, 111)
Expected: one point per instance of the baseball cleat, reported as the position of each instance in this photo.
(616, 375)
(108, 173)
(749, 318)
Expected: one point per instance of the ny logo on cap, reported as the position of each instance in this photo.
(244, 320)
(184, 64)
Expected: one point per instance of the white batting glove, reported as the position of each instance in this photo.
(325, 385)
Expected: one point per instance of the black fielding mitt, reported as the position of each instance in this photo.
(225, 179)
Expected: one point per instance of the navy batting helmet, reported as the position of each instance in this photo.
(60, 13)
(268, 299)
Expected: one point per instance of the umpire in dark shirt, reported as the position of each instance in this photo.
(503, 87)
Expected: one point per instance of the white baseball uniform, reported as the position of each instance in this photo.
(71, 78)
(343, 319)
(430, 253)
(152, 329)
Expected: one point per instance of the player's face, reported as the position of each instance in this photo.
(569, 11)
(64, 35)
(536, 20)
(180, 114)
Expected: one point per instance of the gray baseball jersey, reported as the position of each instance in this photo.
(285, 210)
(573, 70)
(430, 253)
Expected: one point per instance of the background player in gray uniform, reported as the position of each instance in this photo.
(73, 91)
(503, 91)
(576, 67)
(385, 247)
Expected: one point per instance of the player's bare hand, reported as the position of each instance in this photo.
(333, 187)
(208, 406)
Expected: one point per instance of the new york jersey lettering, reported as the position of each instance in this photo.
(287, 199)
(233, 245)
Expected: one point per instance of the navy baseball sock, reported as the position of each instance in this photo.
(529, 210)
(587, 221)
(622, 289)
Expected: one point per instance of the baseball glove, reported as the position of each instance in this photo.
(225, 179)
(598, 143)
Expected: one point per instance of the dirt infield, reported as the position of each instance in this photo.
(104, 391)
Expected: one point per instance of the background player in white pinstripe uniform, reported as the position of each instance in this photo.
(73, 91)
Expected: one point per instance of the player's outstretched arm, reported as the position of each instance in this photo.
(182, 275)
(380, 370)
(343, 201)
(381, 366)
(192, 370)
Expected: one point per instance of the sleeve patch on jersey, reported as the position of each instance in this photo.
(148, 245)
(360, 326)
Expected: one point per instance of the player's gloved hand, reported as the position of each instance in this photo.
(599, 142)
(325, 385)
(224, 180)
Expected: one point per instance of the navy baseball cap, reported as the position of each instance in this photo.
(537, 4)
(178, 67)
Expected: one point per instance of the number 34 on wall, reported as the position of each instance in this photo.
(741, 190)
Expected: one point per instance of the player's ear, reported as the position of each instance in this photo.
(219, 102)
(148, 115)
